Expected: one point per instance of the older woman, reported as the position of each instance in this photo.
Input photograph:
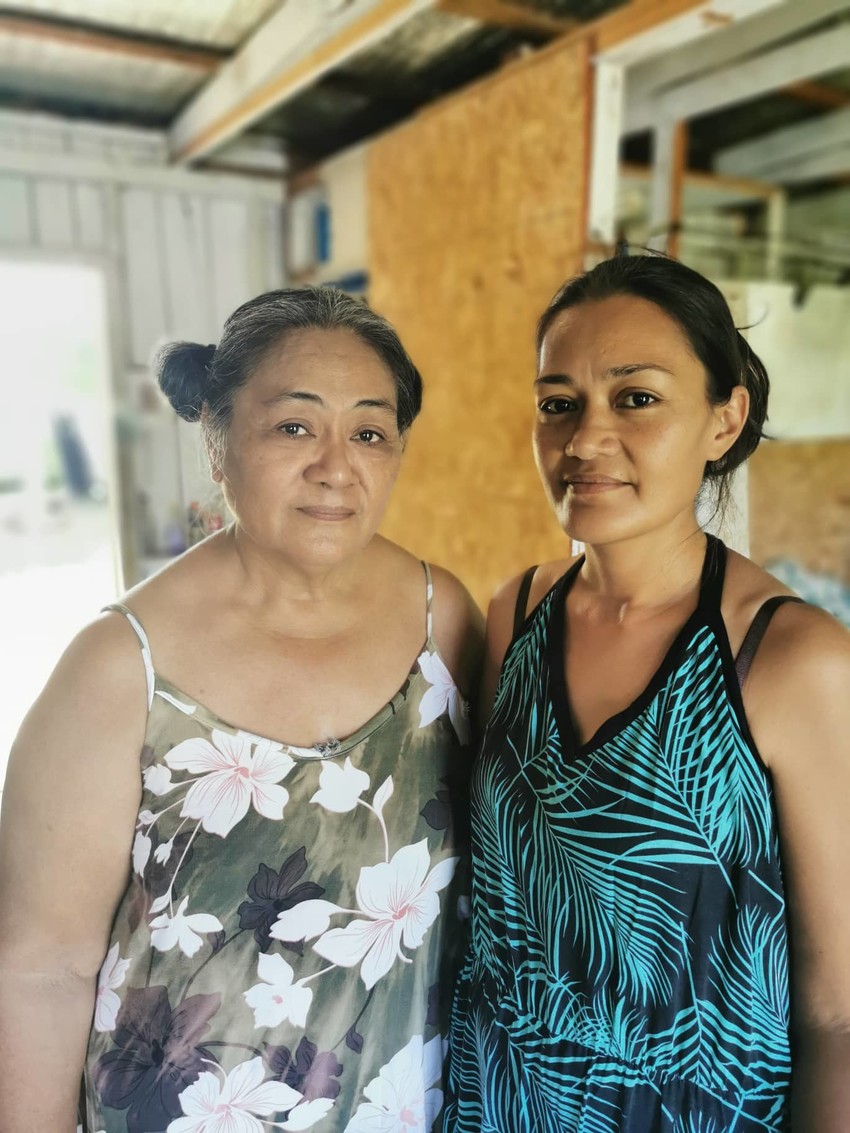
(269, 894)
(661, 805)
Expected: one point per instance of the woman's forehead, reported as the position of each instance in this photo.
(619, 330)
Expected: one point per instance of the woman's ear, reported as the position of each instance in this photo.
(729, 420)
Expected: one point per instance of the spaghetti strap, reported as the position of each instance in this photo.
(522, 598)
(147, 659)
(756, 632)
(429, 600)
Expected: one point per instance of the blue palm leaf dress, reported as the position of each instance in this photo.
(628, 963)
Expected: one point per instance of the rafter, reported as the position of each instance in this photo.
(502, 14)
(819, 94)
(96, 37)
(293, 50)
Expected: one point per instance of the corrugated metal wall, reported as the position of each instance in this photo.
(179, 252)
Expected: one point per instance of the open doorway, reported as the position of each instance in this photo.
(57, 531)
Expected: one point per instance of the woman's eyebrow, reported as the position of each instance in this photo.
(612, 373)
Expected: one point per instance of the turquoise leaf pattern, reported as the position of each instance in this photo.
(629, 961)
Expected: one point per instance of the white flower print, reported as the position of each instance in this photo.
(107, 1003)
(157, 780)
(183, 930)
(400, 901)
(403, 1098)
(141, 852)
(232, 779)
(233, 1106)
(163, 851)
(340, 788)
(278, 998)
(442, 695)
(306, 1114)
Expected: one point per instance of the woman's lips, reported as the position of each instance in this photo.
(328, 514)
(594, 485)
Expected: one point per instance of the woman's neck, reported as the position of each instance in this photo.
(641, 576)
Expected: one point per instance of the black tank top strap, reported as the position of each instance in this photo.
(522, 598)
(757, 630)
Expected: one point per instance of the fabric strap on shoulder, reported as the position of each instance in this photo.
(756, 632)
(429, 601)
(522, 598)
(150, 676)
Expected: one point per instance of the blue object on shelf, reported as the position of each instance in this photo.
(322, 222)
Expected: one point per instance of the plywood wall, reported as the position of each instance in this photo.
(800, 505)
(476, 215)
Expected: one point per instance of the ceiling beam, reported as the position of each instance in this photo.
(774, 153)
(818, 94)
(639, 32)
(825, 165)
(70, 167)
(96, 37)
(647, 82)
(817, 54)
(502, 14)
(294, 48)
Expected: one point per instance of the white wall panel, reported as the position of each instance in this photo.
(187, 267)
(15, 219)
(55, 225)
(148, 317)
(230, 246)
(90, 216)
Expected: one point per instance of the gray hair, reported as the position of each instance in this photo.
(201, 381)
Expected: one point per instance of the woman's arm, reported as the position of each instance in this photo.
(458, 630)
(69, 809)
(798, 702)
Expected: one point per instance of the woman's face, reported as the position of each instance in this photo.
(313, 447)
(624, 427)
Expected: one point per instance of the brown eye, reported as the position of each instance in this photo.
(557, 405)
(640, 399)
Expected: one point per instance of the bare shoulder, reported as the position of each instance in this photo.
(105, 656)
(805, 655)
(795, 625)
(796, 689)
(458, 627)
(97, 688)
(500, 614)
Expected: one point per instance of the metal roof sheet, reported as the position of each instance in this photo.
(218, 23)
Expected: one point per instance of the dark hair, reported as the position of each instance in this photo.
(194, 377)
(703, 314)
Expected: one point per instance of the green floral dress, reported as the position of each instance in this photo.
(284, 952)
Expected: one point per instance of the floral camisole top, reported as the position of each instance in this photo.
(284, 953)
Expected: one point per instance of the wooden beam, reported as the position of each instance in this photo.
(94, 37)
(643, 29)
(817, 54)
(605, 153)
(502, 14)
(649, 80)
(762, 156)
(822, 165)
(677, 181)
(668, 174)
(294, 49)
(698, 178)
(818, 94)
(70, 167)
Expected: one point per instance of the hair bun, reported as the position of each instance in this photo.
(182, 369)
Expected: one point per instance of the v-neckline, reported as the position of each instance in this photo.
(710, 591)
